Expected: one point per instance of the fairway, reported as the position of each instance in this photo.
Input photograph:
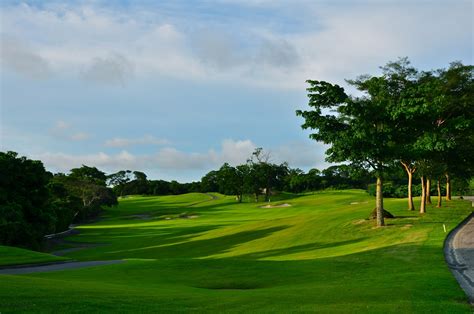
(207, 253)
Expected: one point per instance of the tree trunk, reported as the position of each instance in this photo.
(267, 194)
(256, 197)
(379, 203)
(439, 194)
(423, 195)
(411, 206)
(428, 190)
(409, 172)
(448, 187)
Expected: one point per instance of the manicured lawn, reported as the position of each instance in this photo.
(195, 253)
(12, 256)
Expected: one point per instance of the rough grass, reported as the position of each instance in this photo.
(320, 254)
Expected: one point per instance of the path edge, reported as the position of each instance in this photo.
(454, 265)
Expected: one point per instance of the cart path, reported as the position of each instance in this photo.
(18, 270)
(459, 253)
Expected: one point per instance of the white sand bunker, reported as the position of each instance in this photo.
(182, 216)
(276, 206)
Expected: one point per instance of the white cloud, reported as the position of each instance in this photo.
(126, 142)
(346, 40)
(177, 162)
(304, 155)
(235, 152)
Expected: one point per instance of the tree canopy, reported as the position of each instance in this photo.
(423, 120)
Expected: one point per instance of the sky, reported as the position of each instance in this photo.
(177, 88)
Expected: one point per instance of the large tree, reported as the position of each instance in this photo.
(407, 109)
(231, 180)
(359, 129)
(26, 214)
(455, 121)
(265, 175)
(89, 185)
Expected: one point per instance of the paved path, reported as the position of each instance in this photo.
(459, 253)
(53, 267)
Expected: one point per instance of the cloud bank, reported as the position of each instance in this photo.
(175, 161)
(109, 45)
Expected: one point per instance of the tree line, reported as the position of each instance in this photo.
(258, 177)
(35, 202)
(420, 120)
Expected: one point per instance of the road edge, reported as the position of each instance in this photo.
(457, 268)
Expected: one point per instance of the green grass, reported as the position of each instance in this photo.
(13, 256)
(320, 254)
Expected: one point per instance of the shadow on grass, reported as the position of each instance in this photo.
(186, 247)
(298, 249)
(158, 207)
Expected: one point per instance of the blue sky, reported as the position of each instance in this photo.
(176, 88)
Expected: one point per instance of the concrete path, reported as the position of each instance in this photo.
(53, 267)
(459, 253)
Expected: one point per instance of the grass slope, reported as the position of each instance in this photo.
(196, 253)
(13, 256)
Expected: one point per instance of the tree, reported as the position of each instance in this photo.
(313, 180)
(89, 185)
(26, 214)
(140, 184)
(63, 203)
(446, 144)
(89, 174)
(455, 121)
(231, 181)
(265, 175)
(296, 181)
(159, 187)
(407, 108)
(259, 171)
(361, 129)
(210, 182)
(118, 180)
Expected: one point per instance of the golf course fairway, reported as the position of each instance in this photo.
(208, 253)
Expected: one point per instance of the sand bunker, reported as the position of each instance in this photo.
(276, 206)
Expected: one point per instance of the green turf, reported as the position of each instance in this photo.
(195, 253)
(13, 256)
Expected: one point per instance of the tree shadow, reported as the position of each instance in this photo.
(298, 249)
(174, 246)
